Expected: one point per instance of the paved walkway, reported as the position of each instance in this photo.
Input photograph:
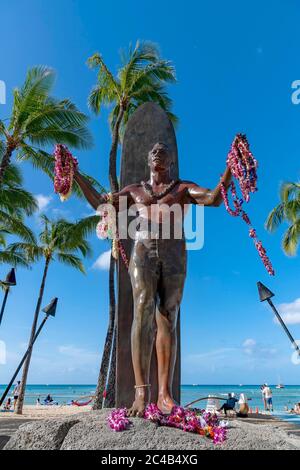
(7, 427)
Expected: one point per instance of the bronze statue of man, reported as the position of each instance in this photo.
(157, 269)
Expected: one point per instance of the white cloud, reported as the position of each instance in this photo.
(251, 347)
(43, 201)
(79, 354)
(290, 312)
(103, 261)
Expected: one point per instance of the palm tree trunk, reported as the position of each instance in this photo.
(108, 354)
(20, 402)
(114, 185)
(6, 161)
(101, 385)
(110, 399)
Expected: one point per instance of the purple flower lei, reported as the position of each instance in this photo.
(197, 422)
(64, 168)
(118, 421)
(243, 167)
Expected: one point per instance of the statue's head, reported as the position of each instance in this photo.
(159, 157)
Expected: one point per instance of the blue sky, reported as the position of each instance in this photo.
(235, 64)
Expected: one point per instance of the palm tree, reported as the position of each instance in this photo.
(141, 78)
(37, 120)
(58, 241)
(288, 210)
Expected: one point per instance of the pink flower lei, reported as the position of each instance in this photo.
(118, 421)
(243, 167)
(65, 165)
(197, 422)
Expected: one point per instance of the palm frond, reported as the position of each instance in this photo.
(30, 251)
(16, 226)
(275, 218)
(291, 239)
(14, 199)
(12, 176)
(70, 260)
(13, 259)
(289, 191)
(38, 84)
(107, 88)
(39, 159)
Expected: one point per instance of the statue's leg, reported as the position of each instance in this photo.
(144, 286)
(170, 295)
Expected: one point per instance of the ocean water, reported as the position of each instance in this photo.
(282, 398)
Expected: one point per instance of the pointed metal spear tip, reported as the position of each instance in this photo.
(10, 279)
(263, 292)
(50, 309)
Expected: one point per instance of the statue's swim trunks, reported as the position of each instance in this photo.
(165, 257)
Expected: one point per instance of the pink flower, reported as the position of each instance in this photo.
(64, 168)
(117, 420)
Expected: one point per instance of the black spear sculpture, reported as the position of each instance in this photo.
(266, 294)
(10, 280)
(49, 310)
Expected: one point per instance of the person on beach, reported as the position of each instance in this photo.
(297, 408)
(229, 404)
(48, 400)
(267, 392)
(243, 406)
(263, 397)
(7, 405)
(16, 392)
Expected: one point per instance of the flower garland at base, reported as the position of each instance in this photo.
(243, 167)
(197, 422)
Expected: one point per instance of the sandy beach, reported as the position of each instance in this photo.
(45, 412)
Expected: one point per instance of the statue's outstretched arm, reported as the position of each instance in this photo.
(208, 197)
(95, 198)
(92, 196)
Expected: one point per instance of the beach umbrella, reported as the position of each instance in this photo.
(10, 280)
(266, 294)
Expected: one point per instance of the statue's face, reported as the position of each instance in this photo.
(159, 158)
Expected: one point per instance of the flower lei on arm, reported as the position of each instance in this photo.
(64, 169)
(197, 422)
(243, 167)
(106, 228)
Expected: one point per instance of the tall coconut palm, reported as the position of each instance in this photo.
(37, 120)
(288, 210)
(59, 241)
(141, 78)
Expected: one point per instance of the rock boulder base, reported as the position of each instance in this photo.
(89, 431)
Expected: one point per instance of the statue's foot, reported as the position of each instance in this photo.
(166, 403)
(138, 408)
